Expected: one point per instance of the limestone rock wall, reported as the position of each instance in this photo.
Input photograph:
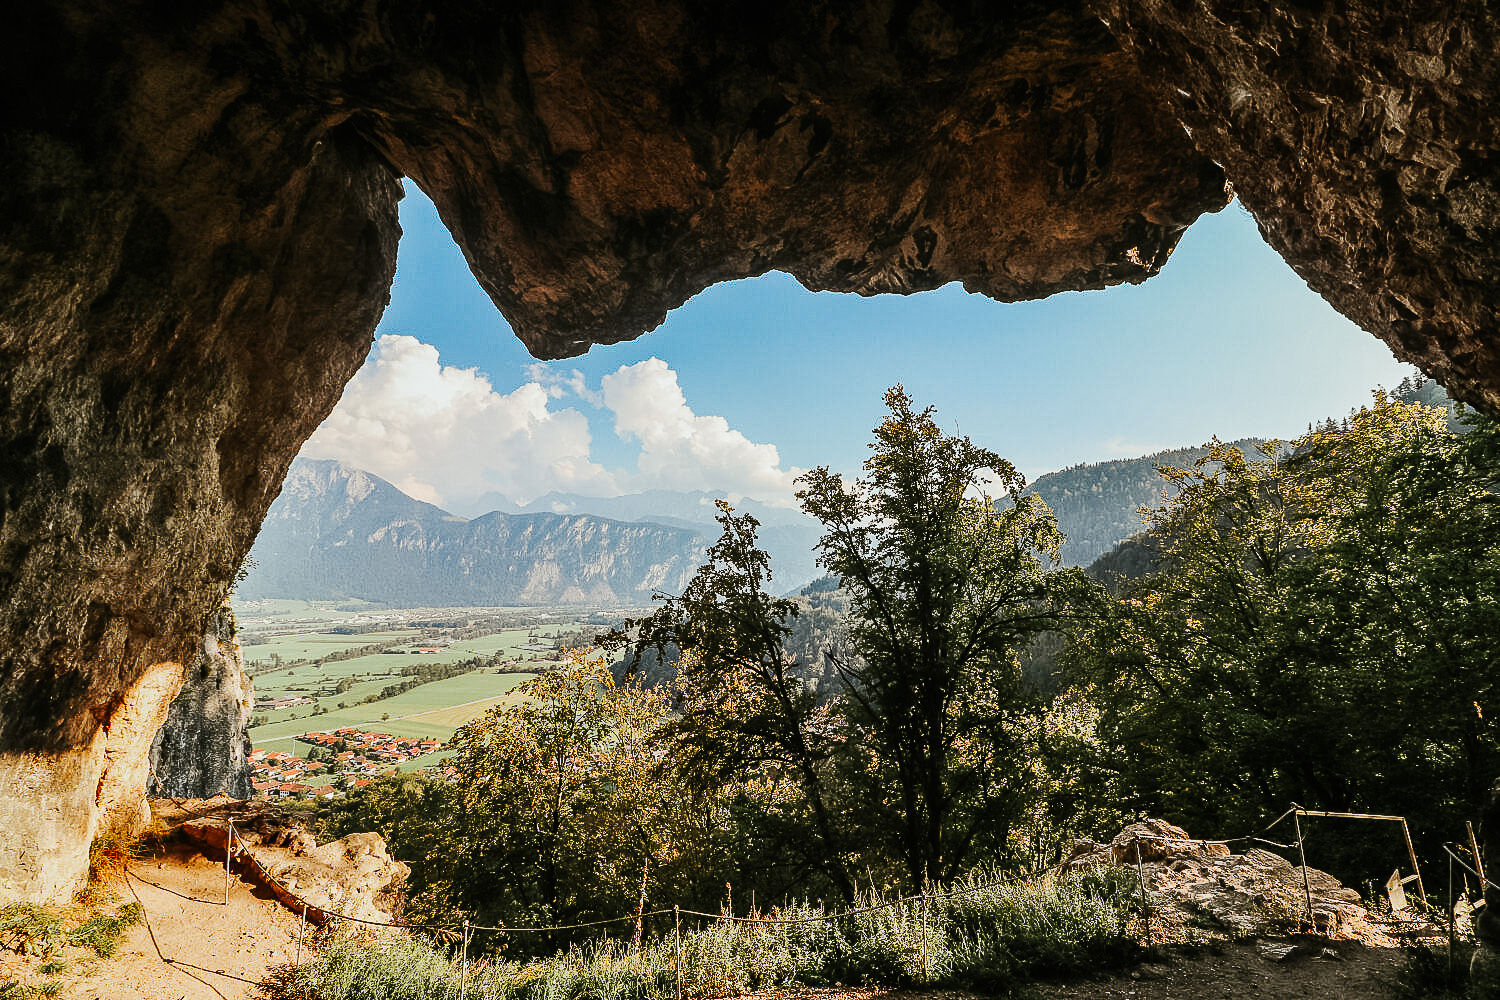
(192, 260)
(200, 750)
(1362, 136)
(198, 232)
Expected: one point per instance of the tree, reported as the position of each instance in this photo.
(945, 584)
(558, 804)
(1321, 629)
(744, 706)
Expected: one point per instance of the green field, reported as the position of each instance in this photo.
(434, 710)
(316, 645)
(371, 673)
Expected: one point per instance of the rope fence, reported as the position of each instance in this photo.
(236, 848)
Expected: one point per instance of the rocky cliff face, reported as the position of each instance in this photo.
(197, 235)
(200, 750)
(1362, 137)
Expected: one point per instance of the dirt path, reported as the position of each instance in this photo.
(197, 948)
(1340, 970)
(217, 952)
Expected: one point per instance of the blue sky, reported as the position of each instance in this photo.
(1226, 340)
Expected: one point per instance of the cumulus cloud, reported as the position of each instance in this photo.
(685, 451)
(444, 435)
(447, 436)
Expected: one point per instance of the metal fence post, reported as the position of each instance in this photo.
(463, 966)
(1140, 873)
(925, 972)
(1452, 919)
(228, 851)
(301, 933)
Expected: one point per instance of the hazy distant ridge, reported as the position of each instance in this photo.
(338, 532)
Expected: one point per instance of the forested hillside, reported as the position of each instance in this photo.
(1313, 623)
(1098, 504)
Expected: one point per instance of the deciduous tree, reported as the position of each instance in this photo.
(946, 562)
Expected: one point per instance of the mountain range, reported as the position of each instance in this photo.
(337, 532)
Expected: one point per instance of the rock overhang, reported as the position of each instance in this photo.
(199, 230)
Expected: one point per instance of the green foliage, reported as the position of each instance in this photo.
(1350, 578)
(1432, 974)
(977, 933)
(744, 707)
(15, 990)
(558, 806)
(945, 584)
(31, 929)
(102, 932)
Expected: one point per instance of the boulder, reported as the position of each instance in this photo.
(351, 878)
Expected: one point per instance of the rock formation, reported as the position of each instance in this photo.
(1362, 137)
(198, 230)
(354, 876)
(1255, 894)
(200, 750)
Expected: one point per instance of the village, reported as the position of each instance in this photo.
(340, 760)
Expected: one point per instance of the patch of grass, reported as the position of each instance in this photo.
(102, 932)
(978, 933)
(15, 990)
(56, 967)
(30, 929)
(109, 856)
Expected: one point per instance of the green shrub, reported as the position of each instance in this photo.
(29, 929)
(977, 933)
(1427, 974)
(102, 932)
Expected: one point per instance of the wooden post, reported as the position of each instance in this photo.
(640, 909)
(677, 945)
(1302, 853)
(1412, 853)
(1478, 858)
(463, 965)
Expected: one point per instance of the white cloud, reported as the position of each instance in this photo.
(444, 435)
(682, 450)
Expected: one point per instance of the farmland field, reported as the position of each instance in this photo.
(286, 646)
(434, 710)
(368, 675)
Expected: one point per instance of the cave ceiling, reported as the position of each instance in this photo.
(198, 231)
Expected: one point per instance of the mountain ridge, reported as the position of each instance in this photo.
(343, 533)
